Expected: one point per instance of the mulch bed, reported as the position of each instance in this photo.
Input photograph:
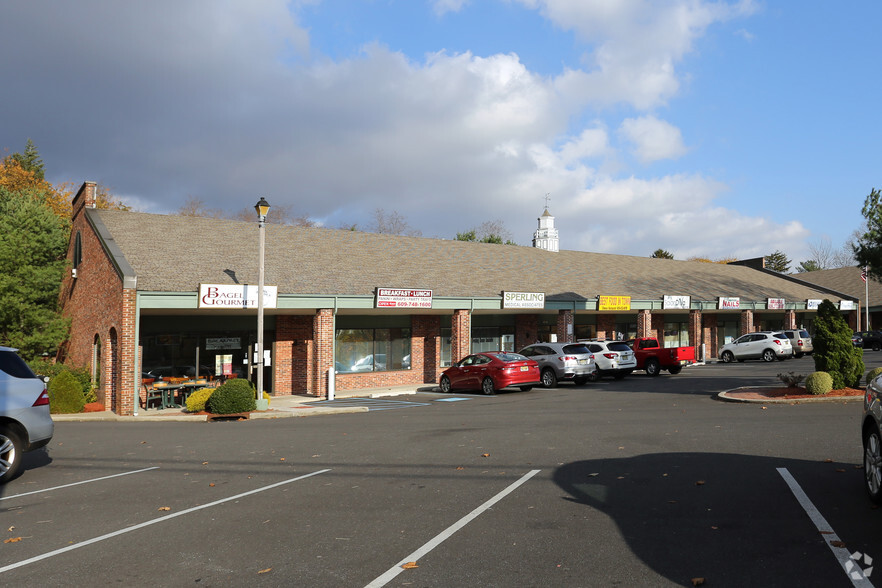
(785, 393)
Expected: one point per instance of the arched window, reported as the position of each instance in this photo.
(78, 250)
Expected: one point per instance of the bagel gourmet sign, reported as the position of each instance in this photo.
(403, 298)
(235, 296)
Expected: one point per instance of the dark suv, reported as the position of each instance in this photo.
(872, 339)
(871, 431)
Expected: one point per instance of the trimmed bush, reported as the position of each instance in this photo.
(873, 374)
(834, 352)
(231, 397)
(819, 383)
(792, 379)
(196, 401)
(65, 394)
(82, 375)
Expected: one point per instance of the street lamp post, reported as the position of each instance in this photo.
(262, 207)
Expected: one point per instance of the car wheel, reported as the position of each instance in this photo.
(873, 464)
(652, 367)
(526, 388)
(11, 449)
(445, 384)
(580, 381)
(728, 357)
(549, 378)
(593, 377)
(877, 346)
(487, 387)
(676, 369)
(768, 355)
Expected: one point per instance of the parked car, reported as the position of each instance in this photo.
(613, 358)
(561, 361)
(871, 432)
(870, 339)
(800, 341)
(857, 340)
(490, 371)
(765, 345)
(653, 358)
(25, 422)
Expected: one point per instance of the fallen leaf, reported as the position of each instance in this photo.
(211, 485)
(265, 571)
(459, 467)
(10, 529)
(204, 463)
(593, 475)
(164, 508)
(714, 528)
(837, 543)
(828, 460)
(281, 459)
(12, 540)
(840, 470)
(485, 455)
(672, 502)
(764, 408)
(410, 565)
(699, 482)
(697, 581)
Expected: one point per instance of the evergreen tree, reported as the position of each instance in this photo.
(868, 248)
(778, 262)
(834, 352)
(809, 265)
(662, 254)
(33, 247)
(30, 160)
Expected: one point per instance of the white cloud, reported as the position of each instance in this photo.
(653, 139)
(442, 7)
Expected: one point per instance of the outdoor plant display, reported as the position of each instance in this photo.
(232, 397)
(196, 401)
(819, 383)
(834, 352)
(66, 394)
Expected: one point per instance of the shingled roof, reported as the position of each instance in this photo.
(174, 253)
(846, 280)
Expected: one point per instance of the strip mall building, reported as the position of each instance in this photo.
(355, 310)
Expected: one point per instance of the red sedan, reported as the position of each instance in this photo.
(489, 371)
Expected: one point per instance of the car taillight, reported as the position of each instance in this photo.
(776, 342)
(799, 342)
(43, 399)
(610, 355)
(568, 358)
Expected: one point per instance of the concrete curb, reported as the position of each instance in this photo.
(724, 396)
(304, 411)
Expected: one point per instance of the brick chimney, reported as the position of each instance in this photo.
(87, 197)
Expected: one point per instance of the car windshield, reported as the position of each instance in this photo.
(575, 349)
(618, 346)
(509, 357)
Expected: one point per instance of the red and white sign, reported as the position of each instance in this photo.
(775, 304)
(403, 298)
(729, 303)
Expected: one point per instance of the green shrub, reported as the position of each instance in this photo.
(65, 394)
(196, 401)
(873, 374)
(792, 379)
(231, 397)
(82, 375)
(819, 383)
(834, 352)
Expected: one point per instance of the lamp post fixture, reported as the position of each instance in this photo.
(262, 207)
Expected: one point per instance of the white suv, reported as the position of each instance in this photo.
(25, 422)
(765, 345)
(613, 358)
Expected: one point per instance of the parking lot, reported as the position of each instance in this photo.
(637, 482)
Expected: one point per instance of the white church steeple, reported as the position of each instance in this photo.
(545, 237)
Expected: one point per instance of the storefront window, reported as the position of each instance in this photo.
(372, 350)
(585, 332)
(446, 346)
(625, 331)
(676, 335)
(492, 339)
(727, 331)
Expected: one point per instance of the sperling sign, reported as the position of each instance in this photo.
(523, 300)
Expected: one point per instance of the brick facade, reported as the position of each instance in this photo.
(746, 322)
(565, 326)
(606, 326)
(526, 330)
(461, 338)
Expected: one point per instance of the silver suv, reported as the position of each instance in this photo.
(765, 345)
(25, 423)
(800, 341)
(561, 361)
(871, 431)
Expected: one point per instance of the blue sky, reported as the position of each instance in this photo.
(712, 129)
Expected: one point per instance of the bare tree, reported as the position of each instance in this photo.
(825, 257)
(194, 206)
(282, 214)
(391, 223)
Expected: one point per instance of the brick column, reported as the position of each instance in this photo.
(644, 323)
(746, 322)
(323, 335)
(606, 326)
(565, 326)
(126, 345)
(790, 319)
(695, 331)
(425, 347)
(658, 328)
(710, 337)
(852, 320)
(460, 337)
(526, 329)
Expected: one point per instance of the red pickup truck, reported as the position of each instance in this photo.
(653, 359)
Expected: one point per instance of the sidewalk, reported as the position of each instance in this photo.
(279, 407)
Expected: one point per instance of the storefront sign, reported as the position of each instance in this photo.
(523, 300)
(775, 304)
(235, 296)
(812, 304)
(613, 303)
(214, 343)
(223, 365)
(676, 303)
(728, 303)
(399, 298)
(846, 305)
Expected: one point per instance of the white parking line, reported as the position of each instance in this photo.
(153, 522)
(392, 572)
(78, 483)
(853, 572)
